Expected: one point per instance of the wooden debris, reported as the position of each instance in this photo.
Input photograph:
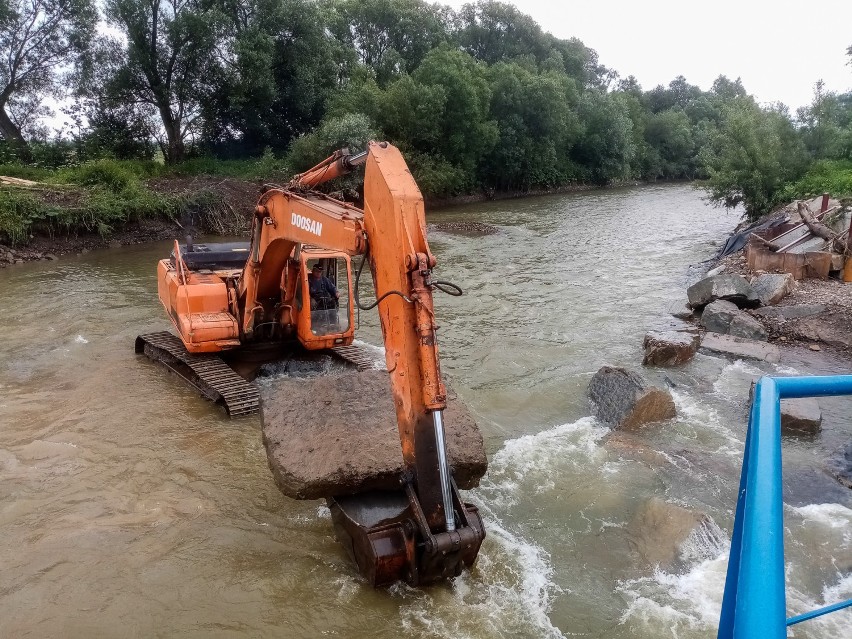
(819, 229)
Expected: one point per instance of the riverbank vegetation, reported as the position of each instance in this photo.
(480, 100)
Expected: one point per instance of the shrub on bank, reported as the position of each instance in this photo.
(825, 176)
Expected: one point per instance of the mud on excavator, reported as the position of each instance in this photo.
(236, 304)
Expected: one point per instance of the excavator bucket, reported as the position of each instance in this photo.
(386, 535)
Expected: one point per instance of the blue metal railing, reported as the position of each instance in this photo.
(754, 604)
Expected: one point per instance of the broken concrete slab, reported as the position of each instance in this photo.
(790, 312)
(669, 348)
(328, 436)
(726, 286)
(834, 330)
(623, 399)
(801, 416)
(771, 288)
(739, 347)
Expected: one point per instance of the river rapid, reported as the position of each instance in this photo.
(130, 507)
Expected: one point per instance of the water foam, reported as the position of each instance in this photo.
(733, 382)
(510, 592)
(834, 625)
(831, 515)
(693, 411)
(677, 603)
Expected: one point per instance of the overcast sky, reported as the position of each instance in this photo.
(779, 48)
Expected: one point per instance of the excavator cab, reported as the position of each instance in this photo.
(323, 299)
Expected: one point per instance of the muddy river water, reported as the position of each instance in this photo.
(129, 507)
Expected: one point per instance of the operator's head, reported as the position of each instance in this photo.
(316, 271)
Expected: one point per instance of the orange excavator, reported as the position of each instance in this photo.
(230, 302)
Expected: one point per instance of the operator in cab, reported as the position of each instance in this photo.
(321, 288)
(324, 296)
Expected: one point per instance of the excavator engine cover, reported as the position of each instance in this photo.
(385, 534)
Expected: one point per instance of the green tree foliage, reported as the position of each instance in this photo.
(495, 32)
(40, 40)
(169, 56)
(826, 124)
(606, 147)
(391, 37)
(824, 176)
(537, 123)
(272, 86)
(751, 159)
(351, 131)
(466, 133)
(482, 98)
(670, 135)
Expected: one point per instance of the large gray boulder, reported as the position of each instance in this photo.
(771, 288)
(718, 315)
(726, 286)
(725, 318)
(624, 400)
(745, 326)
(801, 416)
(328, 436)
(669, 348)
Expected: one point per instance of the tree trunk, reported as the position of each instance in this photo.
(175, 150)
(819, 229)
(12, 135)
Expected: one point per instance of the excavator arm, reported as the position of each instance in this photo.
(391, 232)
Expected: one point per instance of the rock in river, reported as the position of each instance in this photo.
(727, 286)
(841, 466)
(800, 416)
(659, 529)
(669, 348)
(337, 435)
(624, 400)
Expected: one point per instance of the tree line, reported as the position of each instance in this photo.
(480, 98)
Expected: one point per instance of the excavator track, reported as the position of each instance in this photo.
(209, 374)
(358, 357)
(214, 379)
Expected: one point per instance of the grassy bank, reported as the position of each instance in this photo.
(104, 195)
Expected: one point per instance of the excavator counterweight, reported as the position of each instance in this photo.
(290, 290)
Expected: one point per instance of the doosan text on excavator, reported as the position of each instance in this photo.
(236, 304)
